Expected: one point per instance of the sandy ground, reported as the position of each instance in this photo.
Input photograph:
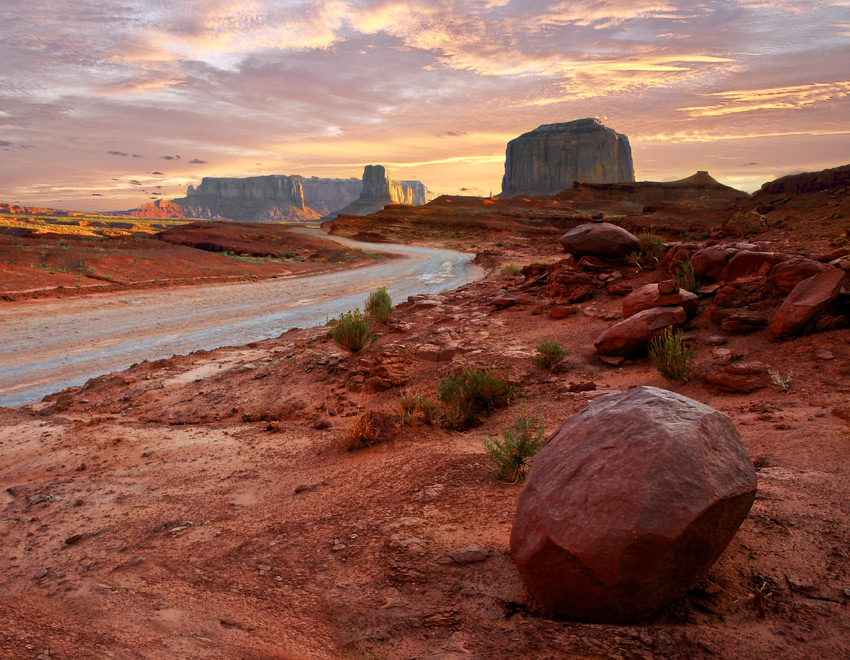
(201, 506)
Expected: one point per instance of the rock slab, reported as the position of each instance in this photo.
(805, 303)
(552, 157)
(632, 335)
(629, 504)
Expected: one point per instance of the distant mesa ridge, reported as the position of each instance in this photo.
(279, 197)
(701, 184)
(549, 159)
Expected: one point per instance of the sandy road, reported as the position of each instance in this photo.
(48, 345)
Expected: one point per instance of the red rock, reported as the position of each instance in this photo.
(667, 287)
(788, 274)
(600, 239)
(620, 288)
(677, 253)
(629, 504)
(747, 263)
(570, 284)
(744, 377)
(562, 311)
(743, 321)
(503, 301)
(709, 262)
(631, 335)
(805, 303)
(649, 296)
(742, 292)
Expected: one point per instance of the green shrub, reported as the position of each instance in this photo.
(470, 393)
(651, 246)
(379, 305)
(509, 458)
(683, 275)
(353, 331)
(511, 269)
(549, 354)
(670, 355)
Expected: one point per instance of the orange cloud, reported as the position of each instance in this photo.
(775, 98)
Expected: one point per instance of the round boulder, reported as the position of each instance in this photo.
(629, 504)
(600, 239)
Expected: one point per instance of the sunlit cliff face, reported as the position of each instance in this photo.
(107, 104)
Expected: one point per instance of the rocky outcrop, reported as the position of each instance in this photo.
(161, 208)
(632, 335)
(629, 504)
(808, 182)
(378, 191)
(700, 186)
(325, 196)
(660, 294)
(805, 303)
(552, 157)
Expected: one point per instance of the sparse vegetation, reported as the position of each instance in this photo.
(510, 457)
(363, 433)
(379, 305)
(511, 269)
(353, 331)
(778, 381)
(670, 355)
(470, 393)
(549, 354)
(683, 275)
(651, 246)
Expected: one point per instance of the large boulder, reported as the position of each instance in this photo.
(600, 239)
(788, 274)
(632, 335)
(663, 294)
(552, 157)
(629, 504)
(710, 261)
(805, 303)
(748, 263)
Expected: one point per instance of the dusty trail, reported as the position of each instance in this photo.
(48, 345)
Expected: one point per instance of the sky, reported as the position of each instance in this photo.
(108, 104)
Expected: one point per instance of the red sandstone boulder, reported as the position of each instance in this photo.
(743, 321)
(788, 274)
(600, 239)
(743, 292)
(651, 295)
(631, 335)
(629, 504)
(745, 377)
(747, 263)
(569, 284)
(709, 262)
(805, 303)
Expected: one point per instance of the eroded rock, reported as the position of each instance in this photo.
(631, 335)
(600, 239)
(805, 303)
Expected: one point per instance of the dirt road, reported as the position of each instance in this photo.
(48, 345)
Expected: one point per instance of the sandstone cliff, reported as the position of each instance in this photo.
(378, 191)
(697, 186)
(328, 195)
(552, 157)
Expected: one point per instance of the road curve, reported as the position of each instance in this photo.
(48, 345)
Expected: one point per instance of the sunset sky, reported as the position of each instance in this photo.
(107, 104)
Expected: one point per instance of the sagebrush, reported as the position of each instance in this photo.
(379, 305)
(511, 269)
(510, 457)
(549, 354)
(473, 391)
(670, 355)
(353, 331)
(363, 433)
(683, 275)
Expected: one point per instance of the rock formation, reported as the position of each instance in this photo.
(378, 191)
(697, 186)
(600, 239)
(629, 504)
(552, 157)
(328, 195)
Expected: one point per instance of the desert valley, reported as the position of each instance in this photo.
(337, 491)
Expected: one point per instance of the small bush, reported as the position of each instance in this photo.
(379, 305)
(363, 433)
(779, 382)
(549, 354)
(651, 246)
(353, 331)
(511, 270)
(470, 393)
(509, 458)
(683, 275)
(670, 355)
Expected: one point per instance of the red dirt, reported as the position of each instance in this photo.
(201, 506)
(38, 262)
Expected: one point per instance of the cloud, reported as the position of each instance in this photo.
(118, 153)
(177, 157)
(158, 173)
(777, 98)
(197, 161)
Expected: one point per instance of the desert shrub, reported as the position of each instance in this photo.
(470, 393)
(379, 305)
(510, 457)
(363, 433)
(670, 355)
(353, 331)
(511, 270)
(683, 275)
(778, 381)
(651, 246)
(549, 354)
